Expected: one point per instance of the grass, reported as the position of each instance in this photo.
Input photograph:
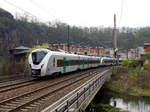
(104, 106)
(146, 84)
(146, 95)
(134, 82)
(133, 90)
(124, 111)
(108, 108)
(116, 89)
(121, 83)
(116, 86)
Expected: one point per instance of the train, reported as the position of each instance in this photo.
(45, 61)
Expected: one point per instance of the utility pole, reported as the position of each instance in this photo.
(68, 42)
(137, 53)
(115, 37)
(127, 46)
(98, 51)
(127, 53)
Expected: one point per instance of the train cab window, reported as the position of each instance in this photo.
(37, 57)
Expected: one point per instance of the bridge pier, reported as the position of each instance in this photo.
(80, 98)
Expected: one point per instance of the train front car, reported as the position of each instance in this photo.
(38, 62)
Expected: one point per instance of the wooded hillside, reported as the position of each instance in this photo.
(15, 32)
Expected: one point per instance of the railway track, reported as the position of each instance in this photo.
(12, 91)
(19, 84)
(16, 85)
(14, 82)
(12, 78)
(29, 100)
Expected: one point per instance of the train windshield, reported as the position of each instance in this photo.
(37, 57)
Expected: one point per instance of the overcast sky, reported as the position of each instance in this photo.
(135, 13)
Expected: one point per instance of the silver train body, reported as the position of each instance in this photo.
(43, 62)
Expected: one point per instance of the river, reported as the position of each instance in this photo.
(122, 101)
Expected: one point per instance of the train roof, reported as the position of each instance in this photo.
(55, 51)
(63, 53)
(109, 58)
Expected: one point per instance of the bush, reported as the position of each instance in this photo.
(147, 67)
(148, 56)
(131, 63)
(125, 63)
(6, 67)
(134, 63)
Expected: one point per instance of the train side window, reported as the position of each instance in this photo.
(54, 62)
(60, 63)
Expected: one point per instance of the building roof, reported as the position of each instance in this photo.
(146, 44)
(140, 48)
(22, 48)
(21, 52)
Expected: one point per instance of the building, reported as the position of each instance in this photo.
(109, 52)
(78, 49)
(18, 54)
(146, 47)
(140, 52)
(146, 50)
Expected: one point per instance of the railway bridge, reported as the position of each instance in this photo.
(70, 92)
(78, 99)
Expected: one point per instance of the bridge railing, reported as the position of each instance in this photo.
(81, 98)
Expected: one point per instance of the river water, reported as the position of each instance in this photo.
(138, 105)
(124, 102)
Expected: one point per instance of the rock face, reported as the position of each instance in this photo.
(6, 14)
(7, 28)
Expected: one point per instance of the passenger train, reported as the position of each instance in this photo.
(43, 62)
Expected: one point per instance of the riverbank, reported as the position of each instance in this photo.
(134, 82)
(128, 89)
(104, 102)
(104, 108)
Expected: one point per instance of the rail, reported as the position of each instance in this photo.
(76, 101)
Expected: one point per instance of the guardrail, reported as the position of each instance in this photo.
(80, 99)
